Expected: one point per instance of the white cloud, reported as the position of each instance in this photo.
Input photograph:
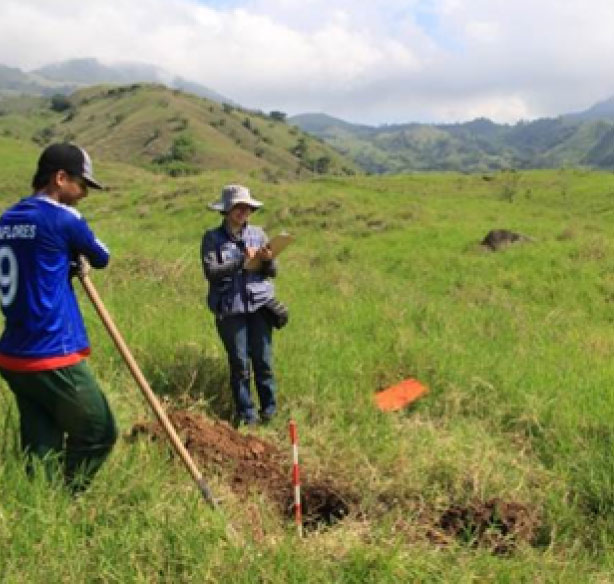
(483, 32)
(406, 60)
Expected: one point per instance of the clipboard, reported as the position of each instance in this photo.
(277, 245)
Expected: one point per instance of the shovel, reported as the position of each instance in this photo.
(178, 446)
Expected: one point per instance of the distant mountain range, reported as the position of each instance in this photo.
(68, 76)
(575, 139)
(578, 139)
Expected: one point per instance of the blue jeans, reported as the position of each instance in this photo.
(249, 337)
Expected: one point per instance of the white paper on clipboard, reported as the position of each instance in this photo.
(277, 245)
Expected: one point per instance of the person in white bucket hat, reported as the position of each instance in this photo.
(233, 195)
(237, 296)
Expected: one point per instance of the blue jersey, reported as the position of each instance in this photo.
(39, 238)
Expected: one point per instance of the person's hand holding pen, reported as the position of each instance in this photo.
(263, 253)
(260, 253)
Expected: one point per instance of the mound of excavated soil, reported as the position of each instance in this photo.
(252, 464)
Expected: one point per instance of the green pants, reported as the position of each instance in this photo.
(64, 415)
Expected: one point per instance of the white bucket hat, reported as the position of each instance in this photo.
(233, 195)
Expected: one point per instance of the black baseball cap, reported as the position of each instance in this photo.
(69, 158)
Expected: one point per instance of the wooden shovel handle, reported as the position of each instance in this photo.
(176, 442)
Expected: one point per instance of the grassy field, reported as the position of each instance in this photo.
(386, 280)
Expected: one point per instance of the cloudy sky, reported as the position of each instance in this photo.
(361, 60)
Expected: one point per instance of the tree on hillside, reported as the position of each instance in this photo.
(60, 103)
(182, 150)
(300, 149)
(278, 116)
(322, 164)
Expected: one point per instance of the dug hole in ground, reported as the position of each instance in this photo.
(253, 464)
(256, 465)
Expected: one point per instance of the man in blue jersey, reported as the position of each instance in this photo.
(63, 413)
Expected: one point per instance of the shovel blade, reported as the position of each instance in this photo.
(400, 395)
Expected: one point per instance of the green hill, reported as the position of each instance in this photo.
(476, 146)
(213, 132)
(173, 132)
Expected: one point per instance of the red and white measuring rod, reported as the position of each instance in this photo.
(296, 481)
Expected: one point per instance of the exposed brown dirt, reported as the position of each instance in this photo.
(253, 464)
(494, 524)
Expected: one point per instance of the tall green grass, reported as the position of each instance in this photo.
(386, 280)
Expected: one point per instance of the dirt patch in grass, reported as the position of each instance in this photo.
(252, 463)
(495, 524)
